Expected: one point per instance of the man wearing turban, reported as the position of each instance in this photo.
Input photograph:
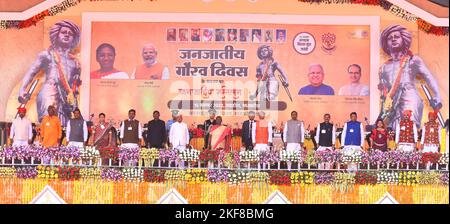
(21, 131)
(431, 137)
(398, 78)
(62, 73)
(406, 133)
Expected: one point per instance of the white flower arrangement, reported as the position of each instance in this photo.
(249, 156)
(133, 174)
(443, 159)
(89, 152)
(189, 155)
(288, 156)
(387, 177)
(239, 177)
(351, 156)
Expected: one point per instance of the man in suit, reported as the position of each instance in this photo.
(207, 124)
(247, 128)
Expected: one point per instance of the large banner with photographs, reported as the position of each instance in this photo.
(231, 67)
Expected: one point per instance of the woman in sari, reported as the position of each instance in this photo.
(104, 138)
(219, 136)
(379, 137)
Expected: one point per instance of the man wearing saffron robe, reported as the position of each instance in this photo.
(51, 130)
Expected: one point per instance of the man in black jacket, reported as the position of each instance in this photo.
(247, 128)
(156, 132)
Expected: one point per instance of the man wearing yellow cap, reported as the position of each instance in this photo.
(21, 131)
(431, 137)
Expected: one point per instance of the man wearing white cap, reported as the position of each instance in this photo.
(179, 134)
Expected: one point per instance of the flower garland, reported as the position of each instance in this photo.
(154, 176)
(249, 156)
(189, 155)
(47, 172)
(56, 9)
(342, 181)
(302, 178)
(395, 10)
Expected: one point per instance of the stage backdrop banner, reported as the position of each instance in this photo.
(177, 62)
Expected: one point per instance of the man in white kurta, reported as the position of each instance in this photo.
(293, 134)
(179, 134)
(262, 134)
(21, 131)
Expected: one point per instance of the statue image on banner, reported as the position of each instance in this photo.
(62, 73)
(268, 85)
(398, 78)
